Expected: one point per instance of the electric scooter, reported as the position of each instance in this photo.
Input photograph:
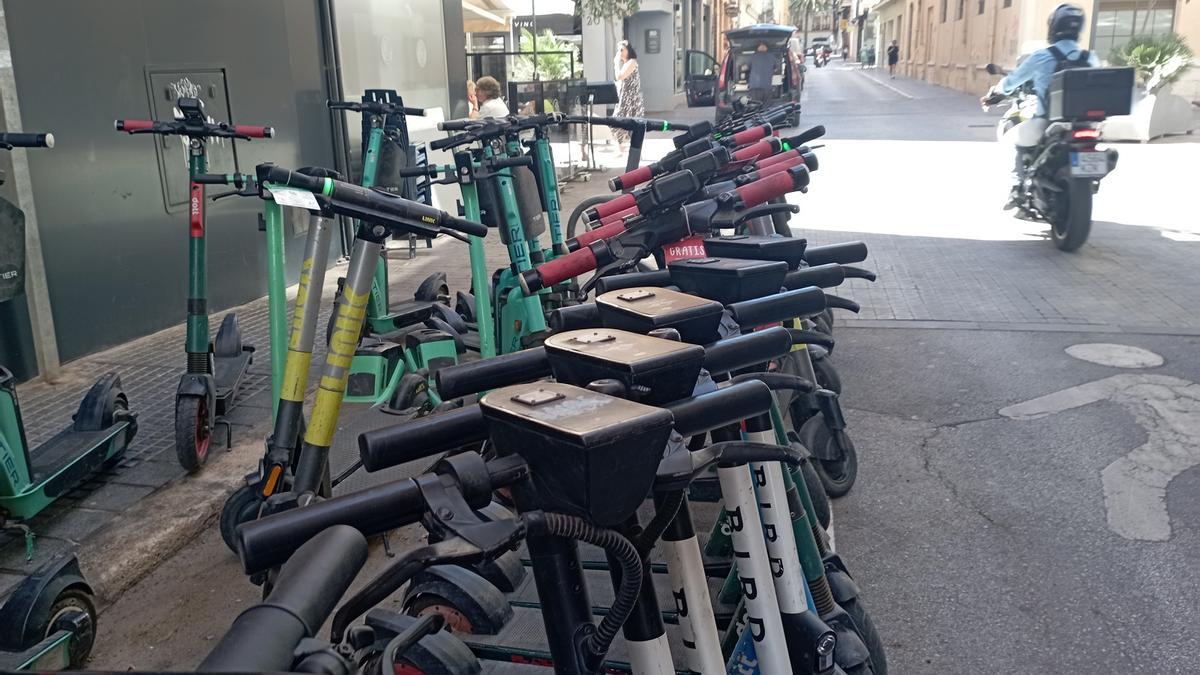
(207, 391)
(48, 621)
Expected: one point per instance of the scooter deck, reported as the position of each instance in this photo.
(61, 463)
(228, 372)
(526, 633)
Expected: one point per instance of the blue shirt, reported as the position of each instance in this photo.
(1039, 67)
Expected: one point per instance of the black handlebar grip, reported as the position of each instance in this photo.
(806, 136)
(778, 307)
(21, 140)
(843, 254)
(823, 276)
(618, 282)
(744, 351)
(574, 317)
(837, 302)
(268, 541)
(421, 438)
(264, 637)
(501, 371)
(720, 408)
(456, 125)
(270, 173)
(858, 273)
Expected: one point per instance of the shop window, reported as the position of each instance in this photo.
(1117, 22)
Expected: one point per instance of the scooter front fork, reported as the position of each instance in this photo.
(348, 323)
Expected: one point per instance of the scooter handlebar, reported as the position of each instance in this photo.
(721, 408)
(603, 232)
(843, 253)
(776, 185)
(264, 637)
(763, 148)
(806, 136)
(822, 276)
(253, 131)
(493, 373)
(421, 438)
(22, 140)
(751, 135)
(617, 282)
(631, 178)
(614, 205)
(131, 126)
(746, 350)
(559, 270)
(774, 308)
(374, 200)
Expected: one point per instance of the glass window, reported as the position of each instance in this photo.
(981, 5)
(1117, 22)
(942, 13)
(958, 12)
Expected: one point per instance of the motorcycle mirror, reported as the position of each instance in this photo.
(993, 69)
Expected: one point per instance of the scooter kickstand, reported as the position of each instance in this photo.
(387, 547)
(222, 422)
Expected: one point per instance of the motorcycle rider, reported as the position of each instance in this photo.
(1064, 26)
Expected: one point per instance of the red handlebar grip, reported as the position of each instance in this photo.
(253, 131)
(759, 149)
(621, 215)
(605, 232)
(134, 125)
(780, 167)
(627, 180)
(775, 159)
(570, 265)
(766, 189)
(752, 134)
(612, 206)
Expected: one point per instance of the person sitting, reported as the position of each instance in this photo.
(487, 91)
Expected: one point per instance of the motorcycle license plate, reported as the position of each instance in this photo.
(1088, 164)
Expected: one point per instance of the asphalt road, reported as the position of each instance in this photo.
(995, 526)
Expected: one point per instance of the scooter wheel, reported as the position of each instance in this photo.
(865, 627)
(241, 507)
(193, 431)
(837, 475)
(827, 375)
(70, 601)
(816, 491)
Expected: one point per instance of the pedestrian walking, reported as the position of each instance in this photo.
(762, 72)
(629, 90)
(487, 92)
(893, 56)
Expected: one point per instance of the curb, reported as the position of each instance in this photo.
(159, 526)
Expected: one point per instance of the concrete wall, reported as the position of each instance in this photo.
(658, 70)
(115, 244)
(952, 53)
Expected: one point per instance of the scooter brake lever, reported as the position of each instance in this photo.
(764, 210)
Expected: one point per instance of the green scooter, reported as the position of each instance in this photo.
(214, 369)
(49, 619)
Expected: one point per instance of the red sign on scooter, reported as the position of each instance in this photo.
(692, 247)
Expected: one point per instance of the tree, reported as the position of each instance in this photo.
(598, 11)
(798, 9)
(550, 65)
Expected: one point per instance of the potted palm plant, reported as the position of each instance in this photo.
(1159, 61)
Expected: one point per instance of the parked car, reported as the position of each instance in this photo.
(708, 83)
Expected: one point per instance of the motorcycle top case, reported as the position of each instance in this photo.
(653, 370)
(1090, 93)
(728, 280)
(646, 308)
(788, 249)
(589, 454)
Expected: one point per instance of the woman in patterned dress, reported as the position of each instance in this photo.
(629, 90)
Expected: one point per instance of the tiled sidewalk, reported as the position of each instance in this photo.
(150, 368)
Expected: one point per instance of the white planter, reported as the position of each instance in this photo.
(1152, 115)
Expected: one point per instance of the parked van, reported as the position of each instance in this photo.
(706, 83)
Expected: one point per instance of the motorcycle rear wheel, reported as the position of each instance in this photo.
(1070, 229)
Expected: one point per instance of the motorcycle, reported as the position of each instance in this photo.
(1061, 173)
(821, 58)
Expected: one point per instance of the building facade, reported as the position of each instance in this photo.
(948, 42)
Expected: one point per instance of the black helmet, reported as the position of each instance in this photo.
(1066, 23)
